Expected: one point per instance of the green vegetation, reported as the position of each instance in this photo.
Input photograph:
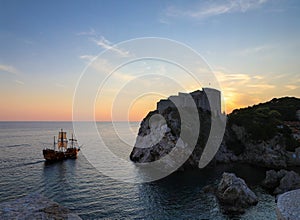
(286, 106)
(265, 120)
(260, 123)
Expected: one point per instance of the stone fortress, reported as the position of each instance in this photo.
(200, 98)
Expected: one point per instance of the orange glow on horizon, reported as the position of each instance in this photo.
(39, 110)
(40, 107)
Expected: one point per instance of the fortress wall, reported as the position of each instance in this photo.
(200, 98)
(215, 100)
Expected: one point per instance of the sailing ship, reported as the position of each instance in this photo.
(62, 149)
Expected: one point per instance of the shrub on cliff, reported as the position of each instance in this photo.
(260, 123)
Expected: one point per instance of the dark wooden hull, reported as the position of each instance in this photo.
(52, 155)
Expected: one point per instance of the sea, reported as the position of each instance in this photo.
(90, 193)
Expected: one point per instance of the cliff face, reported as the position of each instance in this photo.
(259, 135)
(237, 147)
(155, 146)
(255, 135)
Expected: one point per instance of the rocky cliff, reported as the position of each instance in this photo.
(259, 135)
(255, 135)
(238, 147)
(162, 135)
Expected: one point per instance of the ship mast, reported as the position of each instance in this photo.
(54, 142)
(61, 136)
(62, 140)
(72, 141)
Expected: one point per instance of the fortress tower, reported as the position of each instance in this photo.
(201, 99)
(214, 97)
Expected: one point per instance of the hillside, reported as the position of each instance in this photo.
(286, 106)
(264, 121)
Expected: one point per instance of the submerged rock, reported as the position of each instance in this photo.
(234, 194)
(281, 181)
(35, 206)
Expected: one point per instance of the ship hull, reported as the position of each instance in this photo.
(52, 155)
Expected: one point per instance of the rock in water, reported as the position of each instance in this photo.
(288, 205)
(273, 178)
(281, 181)
(35, 206)
(234, 195)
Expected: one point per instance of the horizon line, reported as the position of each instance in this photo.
(63, 121)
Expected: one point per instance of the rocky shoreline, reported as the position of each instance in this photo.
(241, 143)
(255, 135)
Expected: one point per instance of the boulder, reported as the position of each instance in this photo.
(273, 178)
(289, 182)
(288, 205)
(281, 181)
(234, 194)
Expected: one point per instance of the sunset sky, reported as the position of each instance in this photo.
(252, 46)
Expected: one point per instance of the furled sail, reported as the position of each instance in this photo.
(62, 135)
(62, 140)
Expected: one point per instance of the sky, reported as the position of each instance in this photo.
(251, 46)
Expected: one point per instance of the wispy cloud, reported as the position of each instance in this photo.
(91, 32)
(102, 65)
(88, 58)
(213, 8)
(19, 82)
(105, 67)
(107, 45)
(292, 87)
(164, 20)
(9, 69)
(241, 90)
(232, 77)
(102, 42)
(254, 50)
(261, 86)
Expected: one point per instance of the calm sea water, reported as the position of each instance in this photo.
(77, 185)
